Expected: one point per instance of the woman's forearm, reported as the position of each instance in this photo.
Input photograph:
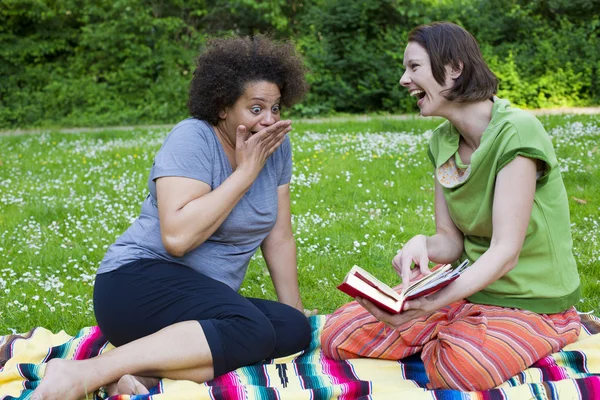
(443, 249)
(192, 224)
(496, 262)
(280, 256)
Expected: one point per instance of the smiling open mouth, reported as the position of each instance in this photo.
(418, 93)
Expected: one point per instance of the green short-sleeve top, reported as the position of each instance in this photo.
(545, 279)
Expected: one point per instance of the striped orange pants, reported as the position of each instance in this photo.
(464, 346)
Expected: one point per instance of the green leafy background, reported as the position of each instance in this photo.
(106, 62)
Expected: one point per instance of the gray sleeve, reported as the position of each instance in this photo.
(286, 172)
(186, 152)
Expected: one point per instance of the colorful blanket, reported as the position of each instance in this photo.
(573, 373)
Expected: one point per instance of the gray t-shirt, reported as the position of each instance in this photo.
(192, 150)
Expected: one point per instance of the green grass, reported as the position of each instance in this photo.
(360, 190)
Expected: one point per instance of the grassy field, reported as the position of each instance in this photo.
(360, 190)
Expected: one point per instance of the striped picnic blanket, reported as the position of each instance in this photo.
(573, 373)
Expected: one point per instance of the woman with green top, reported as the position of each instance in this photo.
(500, 202)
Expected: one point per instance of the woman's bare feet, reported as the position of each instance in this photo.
(133, 385)
(310, 313)
(63, 379)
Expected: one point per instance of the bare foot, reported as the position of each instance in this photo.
(63, 379)
(133, 385)
(310, 313)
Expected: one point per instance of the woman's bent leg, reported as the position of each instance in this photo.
(464, 346)
(292, 330)
(180, 346)
(138, 300)
(167, 321)
(352, 332)
(483, 346)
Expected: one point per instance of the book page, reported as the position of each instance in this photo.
(371, 280)
(437, 277)
(371, 292)
(427, 279)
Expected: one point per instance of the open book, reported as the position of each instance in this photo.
(359, 282)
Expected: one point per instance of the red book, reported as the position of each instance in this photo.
(360, 283)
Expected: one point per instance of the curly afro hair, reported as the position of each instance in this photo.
(226, 66)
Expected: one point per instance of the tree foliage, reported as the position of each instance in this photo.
(105, 62)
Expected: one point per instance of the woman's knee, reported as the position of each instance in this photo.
(292, 336)
(245, 340)
(303, 332)
(332, 337)
(328, 340)
(452, 367)
(347, 322)
(259, 335)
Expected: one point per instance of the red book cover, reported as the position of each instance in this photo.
(354, 292)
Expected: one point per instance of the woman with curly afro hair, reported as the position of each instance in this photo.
(166, 292)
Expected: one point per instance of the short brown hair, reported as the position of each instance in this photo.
(449, 44)
(227, 65)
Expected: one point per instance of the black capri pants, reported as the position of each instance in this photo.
(144, 296)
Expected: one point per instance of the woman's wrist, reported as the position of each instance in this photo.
(292, 301)
(246, 175)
